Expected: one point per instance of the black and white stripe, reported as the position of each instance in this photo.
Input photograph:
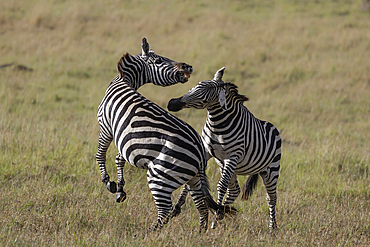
(149, 137)
(240, 143)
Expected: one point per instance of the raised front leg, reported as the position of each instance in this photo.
(233, 190)
(104, 141)
(227, 170)
(120, 163)
(227, 179)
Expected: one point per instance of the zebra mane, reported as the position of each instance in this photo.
(122, 63)
(233, 89)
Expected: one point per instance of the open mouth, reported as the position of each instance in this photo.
(184, 74)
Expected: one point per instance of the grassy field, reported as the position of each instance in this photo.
(305, 65)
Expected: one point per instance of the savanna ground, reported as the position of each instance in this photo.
(305, 65)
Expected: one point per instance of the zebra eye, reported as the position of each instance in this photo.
(157, 61)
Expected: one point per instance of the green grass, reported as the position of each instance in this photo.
(303, 64)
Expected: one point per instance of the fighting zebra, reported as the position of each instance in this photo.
(150, 138)
(240, 143)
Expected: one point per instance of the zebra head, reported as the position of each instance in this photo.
(203, 95)
(149, 67)
(211, 94)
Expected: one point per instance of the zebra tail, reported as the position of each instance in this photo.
(212, 205)
(249, 186)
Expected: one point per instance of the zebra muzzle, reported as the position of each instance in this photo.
(184, 72)
(175, 104)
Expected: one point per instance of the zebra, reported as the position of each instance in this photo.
(240, 143)
(150, 138)
(143, 68)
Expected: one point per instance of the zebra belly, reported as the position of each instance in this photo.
(142, 163)
(246, 165)
(174, 176)
(219, 153)
(252, 167)
(141, 157)
(156, 154)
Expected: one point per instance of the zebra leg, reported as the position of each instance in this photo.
(162, 197)
(120, 163)
(227, 171)
(233, 191)
(197, 195)
(180, 201)
(104, 141)
(164, 210)
(270, 177)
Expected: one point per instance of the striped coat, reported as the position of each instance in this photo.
(150, 138)
(240, 143)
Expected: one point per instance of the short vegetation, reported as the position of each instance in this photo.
(305, 65)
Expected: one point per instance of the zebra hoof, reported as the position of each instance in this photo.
(112, 186)
(120, 196)
(214, 221)
(219, 215)
(214, 225)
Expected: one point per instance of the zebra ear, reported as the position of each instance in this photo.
(222, 99)
(144, 47)
(219, 74)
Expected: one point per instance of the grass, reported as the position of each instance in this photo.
(303, 64)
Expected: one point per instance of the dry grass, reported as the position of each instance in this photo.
(304, 65)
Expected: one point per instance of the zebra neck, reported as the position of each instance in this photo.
(218, 117)
(133, 71)
(136, 84)
(221, 122)
(119, 80)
